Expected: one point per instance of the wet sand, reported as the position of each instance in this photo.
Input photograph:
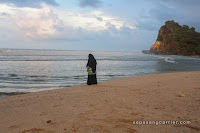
(110, 106)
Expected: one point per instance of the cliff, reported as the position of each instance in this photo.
(174, 39)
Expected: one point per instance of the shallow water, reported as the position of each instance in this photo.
(36, 70)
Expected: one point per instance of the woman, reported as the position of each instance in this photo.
(91, 69)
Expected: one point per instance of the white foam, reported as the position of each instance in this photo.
(170, 60)
(9, 90)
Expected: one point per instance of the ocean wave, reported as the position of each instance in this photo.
(3, 94)
(17, 90)
(170, 60)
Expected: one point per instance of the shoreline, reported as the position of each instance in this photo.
(110, 106)
(8, 94)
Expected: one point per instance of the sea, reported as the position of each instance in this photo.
(33, 70)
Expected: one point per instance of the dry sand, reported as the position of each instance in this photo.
(110, 106)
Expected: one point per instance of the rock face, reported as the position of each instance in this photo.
(174, 39)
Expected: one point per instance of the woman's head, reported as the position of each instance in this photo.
(92, 62)
(91, 56)
(91, 59)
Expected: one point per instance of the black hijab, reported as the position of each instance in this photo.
(92, 62)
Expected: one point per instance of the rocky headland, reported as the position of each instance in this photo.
(174, 39)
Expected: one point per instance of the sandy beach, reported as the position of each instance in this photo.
(110, 106)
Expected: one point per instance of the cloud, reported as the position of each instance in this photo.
(55, 24)
(156, 16)
(39, 26)
(4, 14)
(90, 3)
(49, 27)
(162, 12)
(30, 23)
(181, 3)
(91, 21)
(85, 26)
(155, 13)
(100, 18)
(29, 3)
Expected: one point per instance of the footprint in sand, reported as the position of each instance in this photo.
(43, 114)
(37, 130)
(57, 105)
(14, 126)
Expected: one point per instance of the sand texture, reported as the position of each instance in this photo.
(109, 107)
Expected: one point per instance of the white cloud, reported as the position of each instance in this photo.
(89, 21)
(29, 3)
(51, 23)
(30, 22)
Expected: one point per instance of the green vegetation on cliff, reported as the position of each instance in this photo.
(176, 39)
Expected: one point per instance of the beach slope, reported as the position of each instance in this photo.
(110, 106)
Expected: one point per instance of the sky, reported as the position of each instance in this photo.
(101, 25)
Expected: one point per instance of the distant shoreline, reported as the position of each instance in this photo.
(147, 52)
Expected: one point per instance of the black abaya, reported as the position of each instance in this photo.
(92, 79)
(91, 66)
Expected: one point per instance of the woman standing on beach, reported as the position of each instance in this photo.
(91, 69)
